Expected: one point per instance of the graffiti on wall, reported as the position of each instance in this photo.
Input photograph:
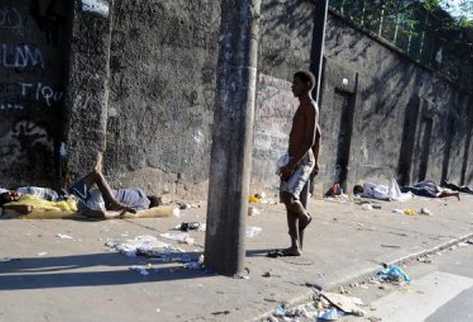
(20, 56)
(23, 139)
(40, 92)
(31, 93)
(10, 18)
(14, 96)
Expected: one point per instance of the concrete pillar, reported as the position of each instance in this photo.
(232, 136)
(316, 67)
(88, 89)
(318, 44)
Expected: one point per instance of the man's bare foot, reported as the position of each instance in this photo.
(303, 223)
(291, 251)
(288, 252)
(99, 164)
(122, 207)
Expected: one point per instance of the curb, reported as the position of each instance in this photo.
(365, 274)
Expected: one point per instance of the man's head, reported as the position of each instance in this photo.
(9, 196)
(154, 201)
(357, 189)
(303, 83)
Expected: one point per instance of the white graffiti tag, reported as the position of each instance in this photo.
(10, 19)
(20, 56)
(41, 91)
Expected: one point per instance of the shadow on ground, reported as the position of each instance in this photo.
(57, 272)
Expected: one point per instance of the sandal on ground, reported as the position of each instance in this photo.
(280, 253)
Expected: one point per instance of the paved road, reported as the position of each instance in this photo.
(58, 279)
(441, 291)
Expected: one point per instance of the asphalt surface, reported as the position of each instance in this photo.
(53, 278)
(441, 291)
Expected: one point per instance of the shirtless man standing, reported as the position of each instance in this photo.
(303, 141)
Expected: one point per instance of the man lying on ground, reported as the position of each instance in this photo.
(428, 188)
(93, 203)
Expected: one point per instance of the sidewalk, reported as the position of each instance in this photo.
(81, 279)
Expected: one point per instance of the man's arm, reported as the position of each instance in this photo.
(316, 150)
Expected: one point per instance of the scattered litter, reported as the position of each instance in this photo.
(255, 199)
(186, 226)
(180, 237)
(342, 198)
(42, 254)
(424, 260)
(260, 195)
(143, 270)
(158, 310)
(141, 245)
(226, 312)
(253, 231)
(425, 212)
(398, 211)
(376, 206)
(252, 211)
(463, 244)
(344, 303)
(183, 205)
(245, 275)
(390, 246)
(367, 206)
(410, 212)
(374, 319)
(63, 236)
(374, 282)
(269, 274)
(342, 290)
(280, 310)
(330, 315)
(393, 273)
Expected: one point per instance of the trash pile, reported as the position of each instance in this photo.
(326, 306)
(329, 306)
(413, 212)
(150, 247)
(393, 274)
(251, 231)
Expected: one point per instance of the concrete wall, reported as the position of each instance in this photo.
(32, 60)
(404, 121)
(142, 83)
(162, 65)
(163, 59)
